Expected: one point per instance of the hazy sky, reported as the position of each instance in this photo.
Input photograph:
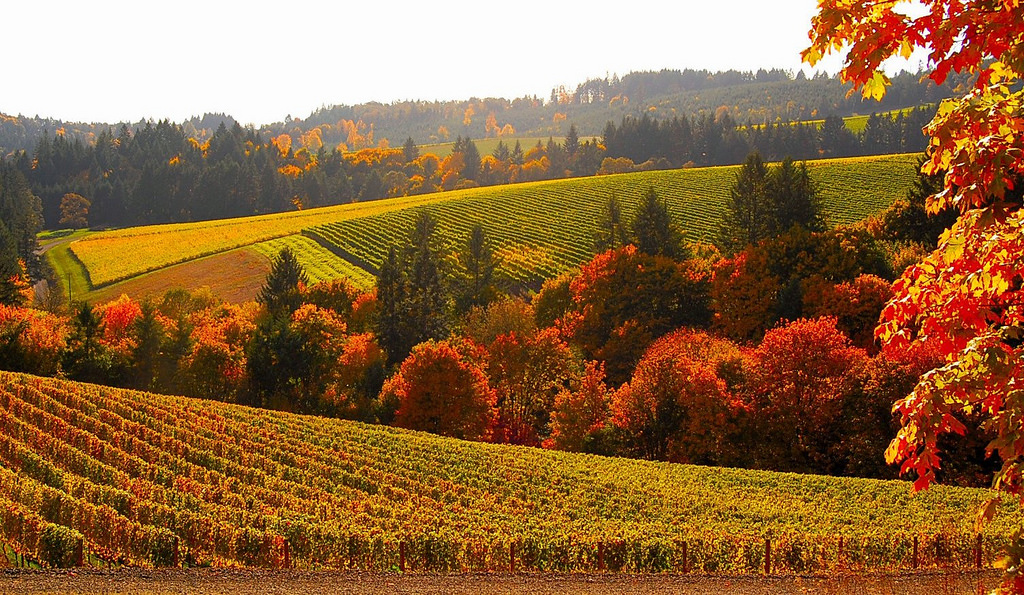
(112, 61)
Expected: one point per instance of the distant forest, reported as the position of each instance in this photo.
(212, 167)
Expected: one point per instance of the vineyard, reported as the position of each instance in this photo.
(319, 263)
(541, 228)
(91, 474)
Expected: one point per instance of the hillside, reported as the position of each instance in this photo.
(539, 228)
(151, 479)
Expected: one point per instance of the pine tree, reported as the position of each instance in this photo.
(653, 230)
(611, 232)
(409, 150)
(281, 294)
(392, 291)
(748, 215)
(794, 198)
(428, 293)
(478, 266)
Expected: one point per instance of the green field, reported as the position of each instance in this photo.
(486, 146)
(541, 228)
(141, 476)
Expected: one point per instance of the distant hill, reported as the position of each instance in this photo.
(758, 98)
(89, 473)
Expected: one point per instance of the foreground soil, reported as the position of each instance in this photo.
(231, 582)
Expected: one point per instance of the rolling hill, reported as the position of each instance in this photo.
(90, 473)
(539, 228)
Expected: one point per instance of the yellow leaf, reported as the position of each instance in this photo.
(906, 49)
(875, 88)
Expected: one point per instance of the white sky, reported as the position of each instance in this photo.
(111, 61)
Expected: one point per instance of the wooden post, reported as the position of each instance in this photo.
(512, 557)
(977, 552)
(840, 560)
(915, 560)
(287, 555)
(401, 556)
(685, 564)
(938, 549)
(175, 555)
(600, 556)
(80, 553)
(767, 556)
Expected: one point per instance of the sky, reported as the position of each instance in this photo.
(112, 61)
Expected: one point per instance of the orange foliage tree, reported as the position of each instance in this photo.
(527, 373)
(31, 340)
(581, 417)
(442, 388)
(677, 406)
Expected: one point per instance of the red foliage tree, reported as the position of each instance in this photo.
(801, 375)
(442, 388)
(527, 373)
(580, 416)
(676, 406)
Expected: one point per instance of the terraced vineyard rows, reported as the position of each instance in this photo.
(171, 480)
(544, 228)
(541, 227)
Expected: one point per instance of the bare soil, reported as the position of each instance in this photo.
(234, 277)
(232, 582)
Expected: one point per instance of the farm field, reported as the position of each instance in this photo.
(157, 480)
(540, 228)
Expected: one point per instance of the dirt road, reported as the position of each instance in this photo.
(232, 582)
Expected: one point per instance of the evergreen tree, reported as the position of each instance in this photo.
(653, 230)
(478, 266)
(149, 337)
(410, 151)
(10, 270)
(517, 154)
(794, 198)
(392, 291)
(748, 215)
(428, 293)
(280, 293)
(572, 142)
(471, 157)
(611, 232)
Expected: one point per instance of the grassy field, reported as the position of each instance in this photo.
(541, 227)
(486, 146)
(142, 476)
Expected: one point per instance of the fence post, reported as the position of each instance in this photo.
(287, 554)
(767, 556)
(977, 552)
(512, 556)
(401, 556)
(80, 553)
(915, 553)
(685, 564)
(841, 561)
(600, 556)
(174, 556)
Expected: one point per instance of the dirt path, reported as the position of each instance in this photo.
(232, 582)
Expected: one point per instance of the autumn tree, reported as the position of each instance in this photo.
(74, 211)
(676, 406)
(966, 295)
(527, 373)
(442, 388)
(801, 375)
(581, 416)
